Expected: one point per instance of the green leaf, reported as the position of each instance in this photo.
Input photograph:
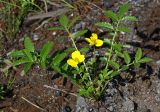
(28, 54)
(21, 61)
(44, 52)
(64, 21)
(84, 50)
(28, 44)
(120, 54)
(58, 58)
(105, 25)
(81, 92)
(65, 67)
(111, 15)
(113, 74)
(69, 50)
(124, 67)
(17, 54)
(73, 21)
(79, 33)
(138, 55)
(130, 18)
(85, 76)
(122, 10)
(117, 47)
(114, 64)
(145, 60)
(137, 65)
(101, 77)
(56, 28)
(127, 58)
(27, 67)
(124, 29)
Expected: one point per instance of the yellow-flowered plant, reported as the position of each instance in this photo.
(88, 68)
(93, 40)
(77, 58)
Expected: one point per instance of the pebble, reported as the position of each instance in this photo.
(128, 105)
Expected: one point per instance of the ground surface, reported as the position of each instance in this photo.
(139, 93)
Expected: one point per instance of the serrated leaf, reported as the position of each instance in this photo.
(114, 64)
(111, 15)
(79, 33)
(27, 67)
(124, 29)
(123, 9)
(104, 25)
(28, 44)
(138, 55)
(58, 58)
(56, 28)
(127, 58)
(130, 18)
(64, 21)
(145, 60)
(44, 52)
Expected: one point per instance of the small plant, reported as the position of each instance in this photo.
(29, 56)
(95, 72)
(90, 73)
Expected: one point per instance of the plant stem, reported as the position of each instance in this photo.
(110, 54)
(111, 49)
(74, 44)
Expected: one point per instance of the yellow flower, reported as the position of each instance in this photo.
(76, 59)
(93, 40)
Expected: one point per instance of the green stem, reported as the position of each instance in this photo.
(110, 54)
(111, 49)
(74, 44)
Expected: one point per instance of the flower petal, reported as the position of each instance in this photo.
(81, 58)
(75, 54)
(99, 43)
(72, 62)
(94, 37)
(91, 43)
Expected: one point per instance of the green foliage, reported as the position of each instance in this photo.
(95, 72)
(29, 56)
(12, 14)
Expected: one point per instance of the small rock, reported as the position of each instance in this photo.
(81, 105)
(35, 37)
(128, 105)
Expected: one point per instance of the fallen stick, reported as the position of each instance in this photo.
(46, 86)
(33, 104)
(48, 14)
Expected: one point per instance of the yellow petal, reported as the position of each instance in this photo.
(94, 37)
(81, 58)
(72, 63)
(99, 43)
(75, 54)
(91, 43)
